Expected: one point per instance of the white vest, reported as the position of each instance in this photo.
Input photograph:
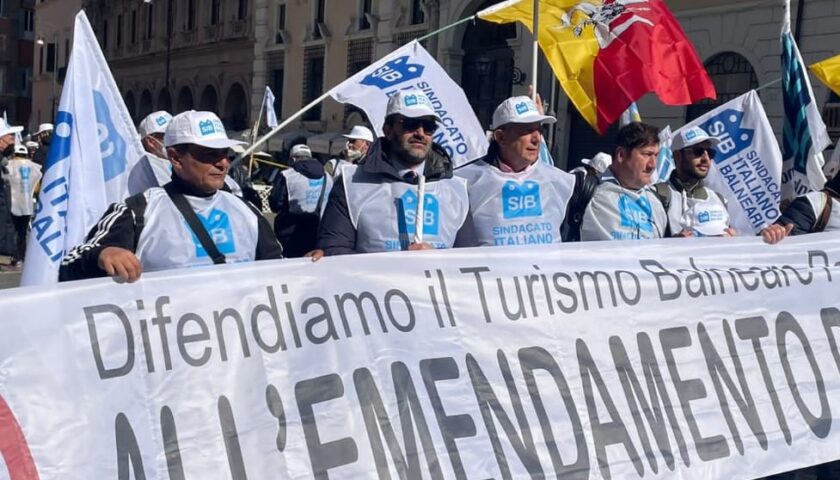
(167, 241)
(617, 213)
(521, 208)
(383, 210)
(682, 206)
(817, 201)
(23, 176)
(304, 192)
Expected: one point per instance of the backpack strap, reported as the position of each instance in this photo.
(195, 224)
(137, 205)
(663, 193)
(582, 194)
(825, 214)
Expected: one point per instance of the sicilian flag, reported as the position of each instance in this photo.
(805, 135)
(608, 54)
(94, 146)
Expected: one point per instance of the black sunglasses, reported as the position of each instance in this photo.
(698, 152)
(412, 124)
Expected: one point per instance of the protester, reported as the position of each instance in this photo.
(31, 148)
(514, 198)
(8, 237)
(596, 165)
(23, 176)
(43, 136)
(813, 212)
(694, 209)
(624, 205)
(373, 205)
(298, 197)
(358, 143)
(189, 222)
(153, 169)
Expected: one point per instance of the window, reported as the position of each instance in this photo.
(313, 80)
(51, 57)
(150, 20)
(215, 10)
(364, 8)
(281, 23)
(242, 11)
(41, 61)
(133, 27)
(119, 30)
(28, 21)
(732, 74)
(25, 78)
(190, 15)
(418, 12)
(277, 89)
(320, 11)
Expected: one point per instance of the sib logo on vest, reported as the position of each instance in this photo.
(635, 214)
(218, 226)
(521, 200)
(408, 214)
(313, 192)
(393, 73)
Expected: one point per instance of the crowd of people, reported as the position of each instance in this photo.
(186, 209)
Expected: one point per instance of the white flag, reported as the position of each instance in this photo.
(412, 67)
(93, 148)
(270, 114)
(748, 163)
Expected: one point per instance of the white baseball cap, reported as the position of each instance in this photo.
(411, 103)
(154, 123)
(360, 132)
(6, 129)
(708, 219)
(518, 110)
(600, 162)
(44, 127)
(688, 137)
(198, 128)
(300, 151)
(31, 144)
(21, 150)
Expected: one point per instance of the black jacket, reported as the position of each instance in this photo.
(121, 226)
(297, 232)
(801, 214)
(337, 235)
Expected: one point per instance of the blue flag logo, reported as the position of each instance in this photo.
(60, 146)
(726, 126)
(521, 200)
(111, 144)
(393, 73)
(218, 226)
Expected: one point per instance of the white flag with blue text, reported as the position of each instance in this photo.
(805, 135)
(93, 148)
(411, 66)
(665, 157)
(748, 163)
(270, 114)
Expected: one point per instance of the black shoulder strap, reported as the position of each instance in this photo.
(321, 197)
(195, 224)
(137, 205)
(663, 193)
(584, 190)
(822, 220)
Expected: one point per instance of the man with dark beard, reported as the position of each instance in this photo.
(373, 205)
(694, 209)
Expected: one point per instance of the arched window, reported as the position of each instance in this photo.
(732, 74)
(185, 100)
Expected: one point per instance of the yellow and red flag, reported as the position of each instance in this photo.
(828, 71)
(608, 54)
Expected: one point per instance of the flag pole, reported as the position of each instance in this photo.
(254, 133)
(534, 60)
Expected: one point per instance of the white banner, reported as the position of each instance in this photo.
(412, 67)
(93, 148)
(748, 166)
(671, 359)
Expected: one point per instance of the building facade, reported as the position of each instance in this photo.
(173, 55)
(17, 37)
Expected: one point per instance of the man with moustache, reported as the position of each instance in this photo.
(625, 205)
(373, 205)
(189, 222)
(693, 208)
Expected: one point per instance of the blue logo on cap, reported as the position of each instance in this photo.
(112, 146)
(206, 127)
(703, 217)
(411, 100)
(635, 214)
(393, 73)
(521, 200)
(408, 214)
(161, 120)
(522, 107)
(218, 226)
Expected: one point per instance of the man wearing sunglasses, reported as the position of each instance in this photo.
(514, 198)
(693, 208)
(373, 205)
(189, 222)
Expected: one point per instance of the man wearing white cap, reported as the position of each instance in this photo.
(8, 238)
(693, 208)
(373, 205)
(359, 141)
(43, 136)
(514, 198)
(299, 196)
(153, 169)
(189, 222)
(23, 175)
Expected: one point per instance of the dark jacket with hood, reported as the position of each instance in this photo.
(296, 232)
(337, 235)
(801, 214)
